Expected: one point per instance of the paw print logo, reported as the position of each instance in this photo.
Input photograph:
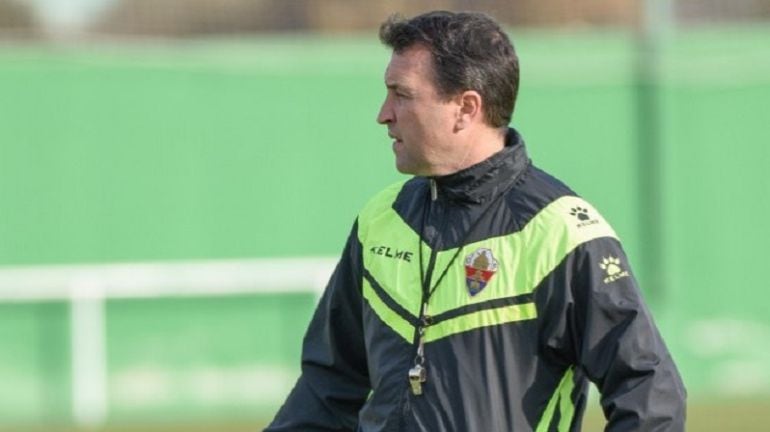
(580, 213)
(611, 265)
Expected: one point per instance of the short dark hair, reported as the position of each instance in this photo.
(470, 52)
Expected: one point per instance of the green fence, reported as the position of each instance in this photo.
(267, 148)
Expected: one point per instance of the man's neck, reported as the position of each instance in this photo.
(478, 147)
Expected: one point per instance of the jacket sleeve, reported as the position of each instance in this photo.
(334, 383)
(604, 327)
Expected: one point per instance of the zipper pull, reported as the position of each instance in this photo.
(433, 190)
(421, 347)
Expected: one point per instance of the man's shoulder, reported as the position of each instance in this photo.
(533, 192)
(379, 209)
(538, 182)
(542, 200)
(383, 200)
(385, 197)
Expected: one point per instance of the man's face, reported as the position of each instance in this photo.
(420, 122)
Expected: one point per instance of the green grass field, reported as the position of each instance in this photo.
(725, 416)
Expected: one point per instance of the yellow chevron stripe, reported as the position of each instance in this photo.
(524, 259)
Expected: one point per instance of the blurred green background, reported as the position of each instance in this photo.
(186, 150)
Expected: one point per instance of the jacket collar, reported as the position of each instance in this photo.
(484, 180)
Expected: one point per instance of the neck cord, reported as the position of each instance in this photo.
(427, 291)
(418, 373)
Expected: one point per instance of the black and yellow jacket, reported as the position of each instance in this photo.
(524, 294)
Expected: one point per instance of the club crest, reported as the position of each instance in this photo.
(480, 266)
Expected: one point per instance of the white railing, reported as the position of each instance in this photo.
(87, 286)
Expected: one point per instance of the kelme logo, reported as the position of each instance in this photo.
(580, 213)
(391, 252)
(583, 216)
(480, 266)
(612, 268)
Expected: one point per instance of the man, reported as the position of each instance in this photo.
(482, 294)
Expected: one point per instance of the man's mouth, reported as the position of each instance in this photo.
(395, 138)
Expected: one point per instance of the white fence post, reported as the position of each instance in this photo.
(88, 351)
(87, 287)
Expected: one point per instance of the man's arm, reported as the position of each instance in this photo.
(619, 346)
(594, 317)
(334, 383)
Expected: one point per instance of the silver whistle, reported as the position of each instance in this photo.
(417, 376)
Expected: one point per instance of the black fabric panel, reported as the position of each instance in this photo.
(490, 369)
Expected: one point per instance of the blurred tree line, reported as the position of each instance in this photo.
(181, 18)
(16, 17)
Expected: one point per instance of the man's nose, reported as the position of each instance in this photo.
(385, 115)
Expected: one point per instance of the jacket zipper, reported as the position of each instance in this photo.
(425, 280)
(428, 276)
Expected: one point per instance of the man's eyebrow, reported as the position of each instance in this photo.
(397, 87)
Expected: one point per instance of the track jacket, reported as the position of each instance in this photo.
(518, 292)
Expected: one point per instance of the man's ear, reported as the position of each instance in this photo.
(469, 108)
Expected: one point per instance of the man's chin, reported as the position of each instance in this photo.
(405, 168)
(402, 170)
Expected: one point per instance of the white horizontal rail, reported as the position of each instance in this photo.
(87, 286)
(164, 279)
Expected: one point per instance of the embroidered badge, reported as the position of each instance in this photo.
(480, 266)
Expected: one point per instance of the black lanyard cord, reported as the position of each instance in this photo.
(426, 283)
